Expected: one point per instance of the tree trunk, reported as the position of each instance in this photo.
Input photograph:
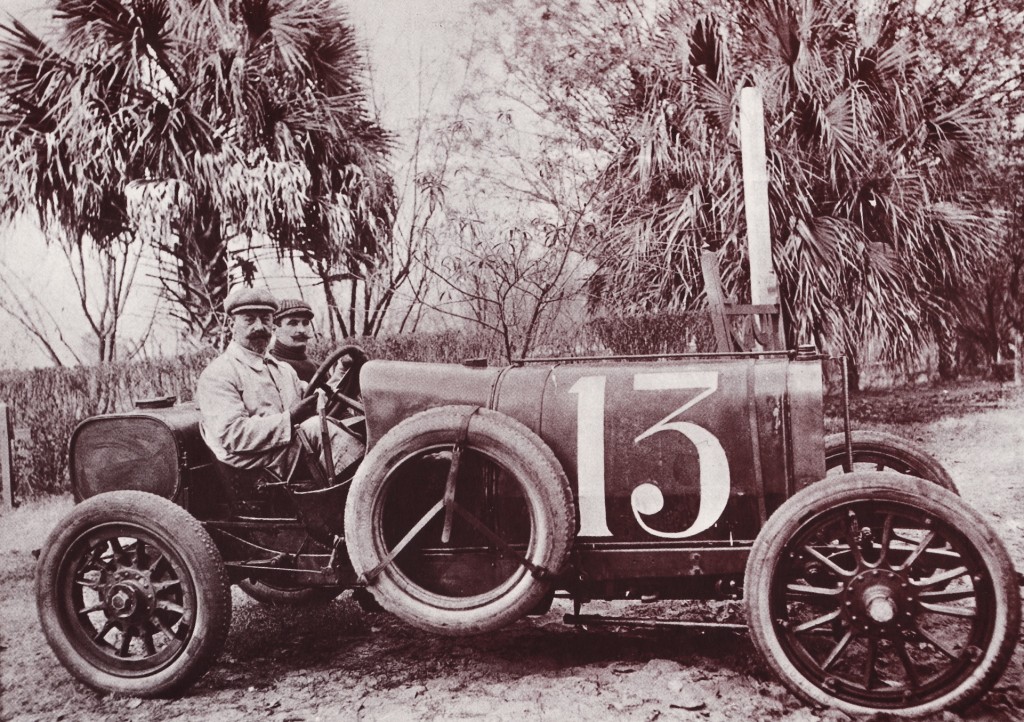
(352, 307)
(202, 277)
(853, 372)
(852, 366)
(949, 369)
(334, 319)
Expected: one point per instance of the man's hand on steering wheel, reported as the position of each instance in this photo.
(339, 380)
(302, 409)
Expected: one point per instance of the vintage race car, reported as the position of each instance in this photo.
(484, 491)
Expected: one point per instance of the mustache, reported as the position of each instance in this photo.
(259, 335)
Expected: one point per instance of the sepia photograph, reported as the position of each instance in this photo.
(402, 360)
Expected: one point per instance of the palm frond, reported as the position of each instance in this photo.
(872, 173)
(256, 107)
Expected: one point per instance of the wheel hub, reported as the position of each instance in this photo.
(129, 595)
(880, 606)
(878, 601)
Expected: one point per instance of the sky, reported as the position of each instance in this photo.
(401, 37)
(407, 43)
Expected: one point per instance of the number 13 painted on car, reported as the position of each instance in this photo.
(647, 499)
(673, 454)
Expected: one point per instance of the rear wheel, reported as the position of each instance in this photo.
(459, 538)
(878, 592)
(132, 595)
(879, 451)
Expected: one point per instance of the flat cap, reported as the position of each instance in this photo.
(292, 307)
(250, 299)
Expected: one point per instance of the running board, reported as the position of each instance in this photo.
(602, 620)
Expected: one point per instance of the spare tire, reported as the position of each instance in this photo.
(509, 515)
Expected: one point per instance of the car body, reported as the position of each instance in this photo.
(485, 490)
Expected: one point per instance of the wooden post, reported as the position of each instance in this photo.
(6, 469)
(1018, 348)
(764, 286)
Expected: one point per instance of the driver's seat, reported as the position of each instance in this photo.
(253, 492)
(262, 493)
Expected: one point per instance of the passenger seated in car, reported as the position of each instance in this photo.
(253, 412)
(294, 320)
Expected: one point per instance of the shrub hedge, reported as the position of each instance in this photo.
(49, 403)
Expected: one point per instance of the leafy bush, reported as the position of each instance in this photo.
(654, 333)
(449, 346)
(49, 403)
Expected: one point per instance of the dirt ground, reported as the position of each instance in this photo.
(337, 663)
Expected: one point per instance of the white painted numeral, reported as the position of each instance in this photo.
(647, 498)
(590, 455)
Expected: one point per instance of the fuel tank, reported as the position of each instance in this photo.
(151, 449)
(687, 448)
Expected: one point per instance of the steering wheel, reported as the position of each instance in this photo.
(346, 394)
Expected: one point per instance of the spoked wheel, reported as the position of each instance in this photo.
(459, 519)
(280, 595)
(132, 595)
(874, 592)
(879, 451)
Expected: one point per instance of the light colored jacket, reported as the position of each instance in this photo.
(244, 400)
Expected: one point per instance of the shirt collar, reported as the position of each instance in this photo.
(253, 360)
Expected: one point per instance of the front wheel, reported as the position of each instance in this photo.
(877, 592)
(132, 595)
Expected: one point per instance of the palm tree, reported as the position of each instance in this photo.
(877, 215)
(194, 122)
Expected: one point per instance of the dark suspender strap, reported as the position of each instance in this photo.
(312, 462)
(453, 475)
(325, 443)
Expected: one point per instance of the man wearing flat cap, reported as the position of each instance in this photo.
(251, 404)
(294, 319)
